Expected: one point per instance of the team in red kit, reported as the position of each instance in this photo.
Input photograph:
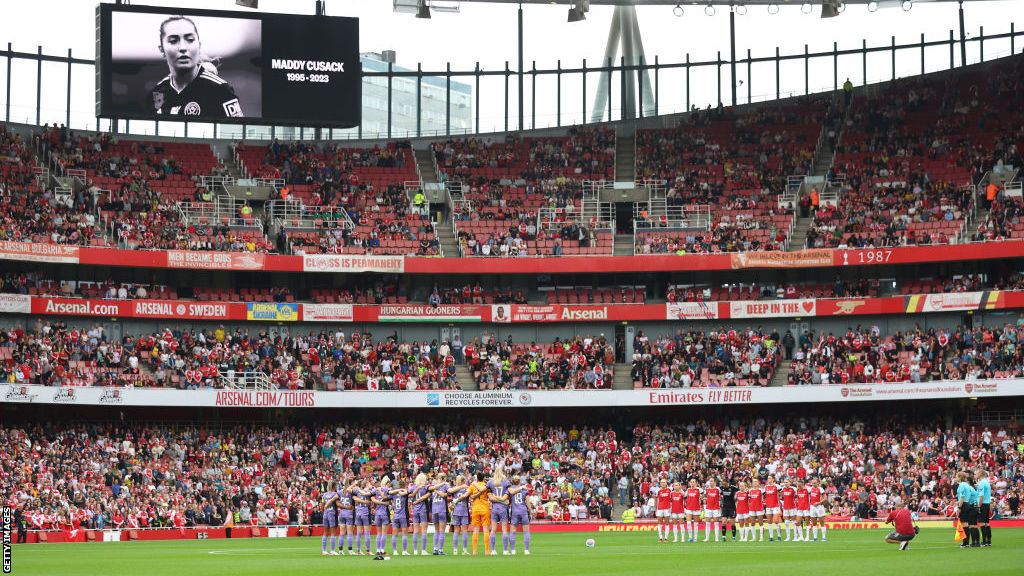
(791, 513)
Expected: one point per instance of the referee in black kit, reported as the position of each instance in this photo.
(192, 88)
(966, 496)
(729, 490)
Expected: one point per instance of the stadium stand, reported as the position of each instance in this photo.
(522, 197)
(736, 163)
(865, 355)
(590, 473)
(353, 201)
(910, 155)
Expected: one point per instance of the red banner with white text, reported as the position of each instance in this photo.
(33, 252)
(30, 252)
(513, 313)
(215, 260)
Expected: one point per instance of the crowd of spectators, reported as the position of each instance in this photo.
(328, 166)
(30, 214)
(56, 355)
(582, 362)
(865, 355)
(917, 213)
(381, 223)
(474, 294)
(94, 476)
(583, 154)
(911, 155)
(699, 358)
(52, 353)
(726, 235)
(736, 164)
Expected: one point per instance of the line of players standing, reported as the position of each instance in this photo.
(798, 508)
(355, 505)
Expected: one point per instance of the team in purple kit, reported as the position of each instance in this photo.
(353, 507)
(439, 512)
(361, 495)
(400, 519)
(499, 497)
(420, 515)
(460, 514)
(520, 514)
(330, 521)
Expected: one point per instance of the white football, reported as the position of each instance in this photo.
(590, 542)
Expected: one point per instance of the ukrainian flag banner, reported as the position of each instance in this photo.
(272, 311)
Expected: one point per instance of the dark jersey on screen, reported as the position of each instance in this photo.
(208, 95)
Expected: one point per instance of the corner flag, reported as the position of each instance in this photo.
(960, 534)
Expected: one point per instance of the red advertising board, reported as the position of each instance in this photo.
(189, 310)
(77, 307)
(506, 313)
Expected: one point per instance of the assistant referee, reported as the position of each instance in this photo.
(966, 496)
(984, 490)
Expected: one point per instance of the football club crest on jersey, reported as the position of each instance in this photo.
(192, 109)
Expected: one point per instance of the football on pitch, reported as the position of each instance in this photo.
(590, 543)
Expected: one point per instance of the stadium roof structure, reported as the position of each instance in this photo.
(625, 39)
(882, 3)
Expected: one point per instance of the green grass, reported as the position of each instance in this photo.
(849, 552)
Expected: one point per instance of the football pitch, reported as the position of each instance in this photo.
(850, 552)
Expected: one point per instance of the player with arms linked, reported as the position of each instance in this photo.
(520, 513)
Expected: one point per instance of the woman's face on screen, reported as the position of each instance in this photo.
(180, 45)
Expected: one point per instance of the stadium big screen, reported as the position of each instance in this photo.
(218, 66)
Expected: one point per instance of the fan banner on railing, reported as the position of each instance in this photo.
(691, 310)
(802, 258)
(427, 313)
(327, 313)
(15, 304)
(34, 252)
(215, 260)
(351, 263)
(773, 308)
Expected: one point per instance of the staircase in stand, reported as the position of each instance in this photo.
(465, 377)
(798, 238)
(622, 379)
(233, 168)
(781, 376)
(446, 238)
(425, 166)
(827, 191)
(623, 245)
(625, 158)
